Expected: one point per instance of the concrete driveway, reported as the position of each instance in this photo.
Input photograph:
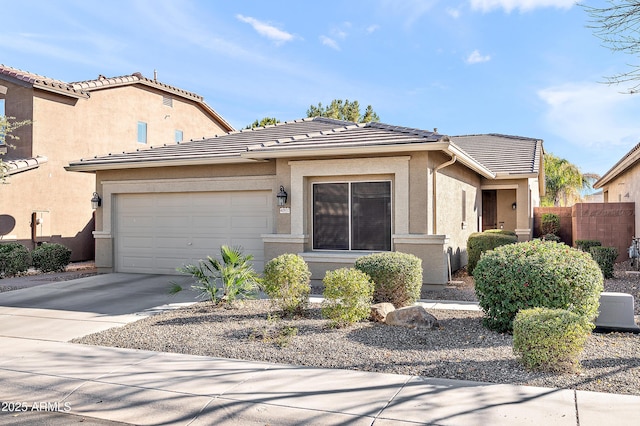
(61, 311)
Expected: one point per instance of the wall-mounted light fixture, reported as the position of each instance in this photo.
(96, 201)
(282, 197)
(513, 206)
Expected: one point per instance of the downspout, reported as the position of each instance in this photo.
(434, 203)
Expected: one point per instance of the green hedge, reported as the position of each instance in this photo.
(585, 245)
(550, 339)
(51, 257)
(347, 295)
(536, 274)
(480, 242)
(397, 277)
(14, 259)
(286, 282)
(549, 223)
(606, 258)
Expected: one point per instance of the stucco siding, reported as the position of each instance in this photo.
(625, 188)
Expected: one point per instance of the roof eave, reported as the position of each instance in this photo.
(60, 91)
(617, 169)
(382, 149)
(94, 167)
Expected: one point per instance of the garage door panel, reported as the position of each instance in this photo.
(155, 233)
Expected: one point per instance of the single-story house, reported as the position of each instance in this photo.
(351, 189)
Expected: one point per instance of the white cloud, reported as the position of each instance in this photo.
(373, 28)
(267, 30)
(522, 5)
(454, 13)
(475, 58)
(329, 42)
(591, 115)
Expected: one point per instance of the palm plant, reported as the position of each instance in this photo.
(225, 280)
(564, 181)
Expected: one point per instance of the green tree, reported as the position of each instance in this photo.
(563, 181)
(266, 121)
(7, 126)
(618, 26)
(343, 110)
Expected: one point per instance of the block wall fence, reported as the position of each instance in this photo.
(613, 224)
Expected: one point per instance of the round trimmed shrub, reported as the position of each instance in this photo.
(14, 259)
(348, 293)
(536, 274)
(605, 257)
(286, 282)
(51, 257)
(552, 237)
(397, 277)
(480, 242)
(550, 339)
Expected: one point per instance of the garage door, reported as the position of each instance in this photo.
(158, 232)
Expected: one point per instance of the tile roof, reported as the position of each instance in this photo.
(247, 145)
(41, 81)
(103, 82)
(503, 154)
(325, 136)
(22, 165)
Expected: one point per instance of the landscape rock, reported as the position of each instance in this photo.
(379, 311)
(412, 316)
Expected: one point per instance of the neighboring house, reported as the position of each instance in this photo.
(621, 184)
(40, 201)
(352, 189)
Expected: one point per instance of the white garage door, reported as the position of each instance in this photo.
(158, 232)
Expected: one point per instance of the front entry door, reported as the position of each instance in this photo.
(489, 209)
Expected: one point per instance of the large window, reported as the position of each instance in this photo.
(352, 216)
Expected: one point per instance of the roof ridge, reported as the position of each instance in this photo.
(500, 135)
(402, 129)
(136, 77)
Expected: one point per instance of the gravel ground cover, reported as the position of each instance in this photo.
(459, 349)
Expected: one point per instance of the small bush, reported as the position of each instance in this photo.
(605, 257)
(585, 245)
(550, 339)
(286, 282)
(14, 259)
(550, 223)
(51, 257)
(348, 293)
(552, 237)
(536, 274)
(225, 280)
(480, 242)
(397, 277)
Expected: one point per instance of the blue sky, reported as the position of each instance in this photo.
(522, 67)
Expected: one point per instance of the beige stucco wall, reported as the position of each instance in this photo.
(507, 216)
(625, 188)
(451, 181)
(66, 129)
(526, 197)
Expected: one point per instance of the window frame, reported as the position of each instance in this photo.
(350, 214)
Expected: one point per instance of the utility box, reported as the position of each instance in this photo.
(616, 313)
(40, 226)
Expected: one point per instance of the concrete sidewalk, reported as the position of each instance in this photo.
(111, 385)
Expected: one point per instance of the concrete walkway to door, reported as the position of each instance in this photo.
(102, 386)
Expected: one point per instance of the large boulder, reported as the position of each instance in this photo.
(412, 316)
(379, 311)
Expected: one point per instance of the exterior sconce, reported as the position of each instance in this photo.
(513, 206)
(282, 197)
(96, 201)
